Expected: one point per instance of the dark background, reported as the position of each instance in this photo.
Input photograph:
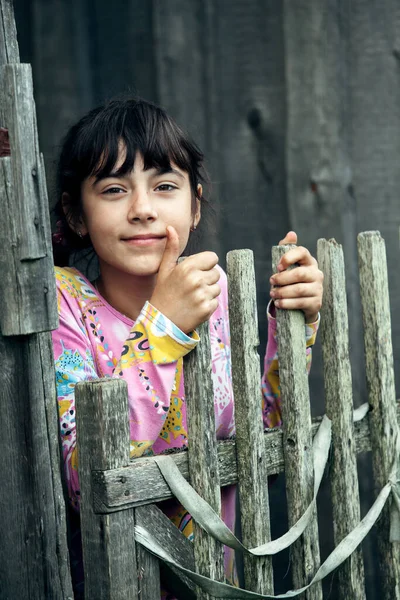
(295, 103)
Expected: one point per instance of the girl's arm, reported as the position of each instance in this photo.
(270, 383)
(150, 361)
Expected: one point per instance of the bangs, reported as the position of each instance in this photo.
(138, 128)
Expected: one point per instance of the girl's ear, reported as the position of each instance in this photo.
(77, 225)
(197, 214)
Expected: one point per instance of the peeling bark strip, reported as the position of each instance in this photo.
(339, 408)
(297, 445)
(103, 443)
(381, 392)
(28, 291)
(203, 460)
(250, 447)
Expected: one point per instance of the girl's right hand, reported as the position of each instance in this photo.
(187, 292)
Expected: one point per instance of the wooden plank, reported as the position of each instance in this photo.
(142, 483)
(320, 185)
(168, 536)
(374, 100)
(339, 408)
(381, 392)
(34, 561)
(250, 454)
(203, 462)
(29, 294)
(9, 52)
(297, 441)
(108, 544)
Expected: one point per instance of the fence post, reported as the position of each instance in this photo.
(34, 561)
(339, 408)
(109, 550)
(250, 445)
(384, 427)
(203, 459)
(297, 441)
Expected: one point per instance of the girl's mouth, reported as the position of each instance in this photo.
(144, 240)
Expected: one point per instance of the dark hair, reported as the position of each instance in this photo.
(91, 148)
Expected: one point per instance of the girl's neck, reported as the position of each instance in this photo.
(127, 294)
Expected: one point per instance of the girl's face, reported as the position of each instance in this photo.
(126, 216)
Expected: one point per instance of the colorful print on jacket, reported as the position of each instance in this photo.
(94, 340)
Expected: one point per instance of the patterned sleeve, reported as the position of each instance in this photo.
(270, 381)
(147, 361)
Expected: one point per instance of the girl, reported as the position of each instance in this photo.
(130, 189)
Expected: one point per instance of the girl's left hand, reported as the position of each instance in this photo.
(300, 288)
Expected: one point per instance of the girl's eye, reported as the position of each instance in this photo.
(166, 187)
(114, 190)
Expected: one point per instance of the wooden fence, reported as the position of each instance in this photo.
(119, 494)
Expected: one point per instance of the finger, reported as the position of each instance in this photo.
(204, 261)
(307, 305)
(212, 276)
(297, 255)
(299, 290)
(302, 274)
(214, 290)
(171, 251)
(290, 238)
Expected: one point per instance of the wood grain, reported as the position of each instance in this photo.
(381, 392)
(250, 448)
(28, 291)
(109, 551)
(297, 441)
(339, 408)
(203, 461)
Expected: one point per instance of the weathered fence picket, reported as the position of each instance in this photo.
(384, 429)
(203, 459)
(34, 560)
(297, 440)
(250, 448)
(108, 545)
(339, 408)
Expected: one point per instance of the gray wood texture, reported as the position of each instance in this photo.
(374, 103)
(9, 51)
(142, 483)
(108, 544)
(250, 448)
(33, 551)
(381, 392)
(339, 408)
(320, 185)
(28, 291)
(203, 461)
(168, 536)
(297, 441)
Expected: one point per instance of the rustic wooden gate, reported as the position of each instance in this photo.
(119, 495)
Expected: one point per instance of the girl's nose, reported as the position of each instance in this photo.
(141, 208)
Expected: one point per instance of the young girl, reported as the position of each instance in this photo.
(130, 186)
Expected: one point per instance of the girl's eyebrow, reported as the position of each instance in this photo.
(166, 170)
(158, 171)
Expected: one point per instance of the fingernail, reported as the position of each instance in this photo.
(277, 303)
(272, 294)
(272, 281)
(280, 267)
